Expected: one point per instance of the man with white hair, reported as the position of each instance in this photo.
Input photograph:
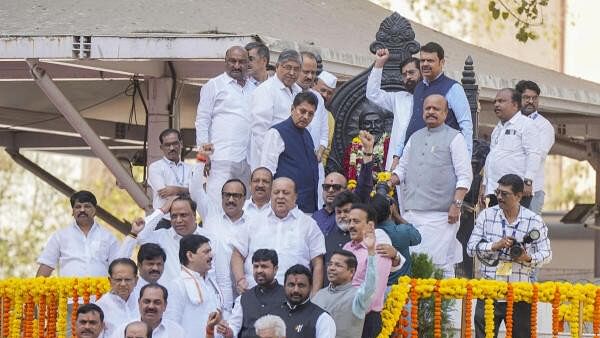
(270, 326)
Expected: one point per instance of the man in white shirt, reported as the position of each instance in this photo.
(318, 127)
(194, 294)
(260, 192)
(151, 264)
(169, 176)
(436, 169)
(530, 95)
(89, 321)
(152, 304)
(258, 59)
(120, 304)
(223, 122)
(514, 148)
(84, 248)
(288, 151)
(293, 235)
(400, 102)
(271, 101)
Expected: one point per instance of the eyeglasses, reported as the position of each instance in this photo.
(502, 193)
(290, 68)
(527, 98)
(336, 187)
(234, 195)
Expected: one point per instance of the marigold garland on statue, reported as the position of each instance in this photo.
(534, 304)
(510, 302)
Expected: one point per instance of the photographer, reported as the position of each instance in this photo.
(510, 241)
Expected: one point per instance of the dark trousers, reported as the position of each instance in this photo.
(525, 201)
(372, 325)
(521, 319)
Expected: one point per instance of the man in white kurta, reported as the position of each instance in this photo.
(194, 294)
(436, 169)
(223, 122)
(285, 229)
(272, 100)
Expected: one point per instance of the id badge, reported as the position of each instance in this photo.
(504, 269)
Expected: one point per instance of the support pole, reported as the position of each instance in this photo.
(597, 222)
(90, 137)
(159, 92)
(66, 190)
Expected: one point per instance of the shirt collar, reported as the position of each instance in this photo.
(292, 214)
(339, 288)
(503, 217)
(359, 245)
(94, 227)
(229, 79)
(427, 83)
(513, 120)
(280, 85)
(240, 220)
(169, 162)
(250, 204)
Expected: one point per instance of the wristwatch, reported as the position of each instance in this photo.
(458, 203)
(528, 182)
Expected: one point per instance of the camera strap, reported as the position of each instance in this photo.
(514, 230)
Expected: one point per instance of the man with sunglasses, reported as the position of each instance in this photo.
(497, 229)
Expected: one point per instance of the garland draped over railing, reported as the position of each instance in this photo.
(37, 307)
(566, 300)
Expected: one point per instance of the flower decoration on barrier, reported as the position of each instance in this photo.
(22, 299)
(571, 303)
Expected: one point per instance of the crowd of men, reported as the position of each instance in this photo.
(282, 249)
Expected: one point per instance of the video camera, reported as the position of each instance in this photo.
(517, 249)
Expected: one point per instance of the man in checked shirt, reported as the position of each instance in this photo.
(495, 232)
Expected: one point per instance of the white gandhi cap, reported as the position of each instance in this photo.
(329, 79)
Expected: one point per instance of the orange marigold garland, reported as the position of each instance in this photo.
(5, 316)
(510, 301)
(75, 307)
(534, 310)
(42, 316)
(437, 311)
(468, 311)
(596, 320)
(555, 319)
(414, 310)
(29, 317)
(52, 314)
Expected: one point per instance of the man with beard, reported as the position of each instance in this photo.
(151, 264)
(194, 294)
(340, 296)
(289, 152)
(152, 304)
(223, 123)
(301, 316)
(294, 236)
(436, 169)
(530, 95)
(496, 230)
(260, 192)
(514, 148)
(84, 248)
(259, 300)
(120, 304)
(258, 59)
(271, 101)
(436, 82)
(400, 103)
(90, 321)
(169, 176)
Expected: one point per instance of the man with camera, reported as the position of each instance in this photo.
(510, 241)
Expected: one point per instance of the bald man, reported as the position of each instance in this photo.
(223, 123)
(137, 330)
(436, 168)
(285, 229)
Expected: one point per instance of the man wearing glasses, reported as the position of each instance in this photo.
(169, 176)
(514, 148)
(530, 94)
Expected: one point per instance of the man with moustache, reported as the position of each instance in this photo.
(497, 228)
(84, 248)
(223, 123)
(120, 304)
(169, 176)
(293, 235)
(151, 264)
(258, 59)
(400, 102)
(325, 85)
(514, 148)
(137, 330)
(288, 151)
(260, 192)
(152, 304)
(436, 82)
(271, 101)
(194, 294)
(90, 321)
(436, 170)
(301, 316)
(530, 95)
(259, 300)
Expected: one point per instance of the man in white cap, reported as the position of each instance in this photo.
(326, 83)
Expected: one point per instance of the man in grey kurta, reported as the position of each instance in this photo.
(436, 169)
(348, 304)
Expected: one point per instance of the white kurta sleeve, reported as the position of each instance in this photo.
(377, 95)
(204, 112)
(403, 162)
(262, 119)
(325, 327)
(273, 146)
(461, 162)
